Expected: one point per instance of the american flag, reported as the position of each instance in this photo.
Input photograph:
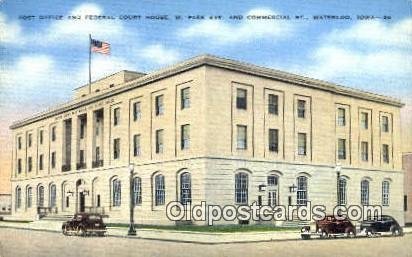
(99, 46)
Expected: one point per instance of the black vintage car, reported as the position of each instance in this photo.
(83, 224)
(382, 224)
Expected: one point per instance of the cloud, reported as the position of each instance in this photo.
(159, 54)
(10, 32)
(245, 31)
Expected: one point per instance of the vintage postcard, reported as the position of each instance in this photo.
(205, 128)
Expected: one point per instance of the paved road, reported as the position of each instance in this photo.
(22, 243)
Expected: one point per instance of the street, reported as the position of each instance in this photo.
(22, 243)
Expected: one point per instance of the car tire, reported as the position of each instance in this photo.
(350, 233)
(65, 231)
(324, 234)
(305, 237)
(369, 233)
(396, 231)
(81, 231)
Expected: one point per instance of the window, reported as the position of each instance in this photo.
(82, 127)
(19, 166)
(405, 203)
(273, 189)
(159, 105)
(52, 195)
(97, 153)
(301, 143)
(41, 137)
(41, 162)
(159, 190)
(273, 140)
(159, 141)
(19, 143)
(81, 156)
(302, 190)
(30, 163)
(30, 139)
(117, 193)
(273, 102)
(185, 98)
(185, 188)
(241, 137)
(137, 112)
(341, 117)
(53, 135)
(385, 124)
(40, 196)
(385, 193)
(341, 149)
(116, 116)
(241, 188)
(385, 153)
(53, 160)
(365, 151)
(136, 145)
(301, 108)
(365, 192)
(342, 192)
(29, 197)
(364, 120)
(116, 148)
(137, 191)
(241, 98)
(18, 197)
(185, 137)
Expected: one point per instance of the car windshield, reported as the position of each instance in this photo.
(95, 217)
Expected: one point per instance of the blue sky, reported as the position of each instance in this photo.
(43, 60)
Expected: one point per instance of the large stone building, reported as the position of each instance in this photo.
(208, 129)
(407, 167)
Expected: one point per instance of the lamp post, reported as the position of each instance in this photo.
(132, 230)
(337, 170)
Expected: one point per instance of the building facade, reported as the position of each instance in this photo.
(407, 167)
(208, 129)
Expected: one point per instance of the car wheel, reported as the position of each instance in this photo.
(64, 230)
(396, 231)
(81, 231)
(350, 233)
(324, 234)
(305, 237)
(369, 233)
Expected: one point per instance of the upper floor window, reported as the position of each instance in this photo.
(365, 151)
(41, 137)
(241, 99)
(341, 117)
(19, 166)
(241, 137)
(302, 190)
(53, 160)
(301, 143)
(365, 192)
(41, 162)
(273, 104)
(342, 191)
(301, 108)
(30, 163)
(97, 153)
(137, 112)
(341, 149)
(185, 98)
(19, 143)
(117, 192)
(116, 116)
(385, 193)
(273, 140)
(159, 141)
(160, 190)
(385, 153)
(185, 137)
(116, 148)
(53, 134)
(137, 191)
(185, 188)
(159, 105)
(81, 157)
(136, 145)
(241, 188)
(82, 127)
(364, 120)
(30, 140)
(385, 124)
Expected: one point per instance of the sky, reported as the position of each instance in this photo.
(43, 60)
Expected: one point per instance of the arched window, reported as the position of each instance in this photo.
(365, 192)
(18, 197)
(302, 190)
(159, 190)
(52, 195)
(241, 188)
(185, 188)
(385, 193)
(29, 196)
(342, 191)
(117, 192)
(40, 196)
(273, 189)
(137, 191)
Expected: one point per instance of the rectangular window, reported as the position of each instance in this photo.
(160, 190)
(364, 120)
(341, 149)
(41, 137)
(53, 160)
(385, 153)
(81, 156)
(29, 163)
(241, 137)
(185, 137)
(273, 140)
(116, 148)
(136, 145)
(273, 103)
(137, 113)
(41, 162)
(97, 153)
(385, 193)
(82, 127)
(301, 143)
(385, 124)
(19, 143)
(405, 203)
(19, 166)
(159, 141)
(301, 108)
(341, 117)
(365, 151)
(30, 139)
(159, 105)
(116, 116)
(53, 135)
(185, 98)
(241, 99)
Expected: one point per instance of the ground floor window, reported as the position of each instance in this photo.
(40, 196)
(241, 188)
(302, 190)
(18, 197)
(159, 190)
(273, 189)
(342, 191)
(52, 196)
(117, 192)
(137, 191)
(365, 192)
(185, 188)
(385, 193)
(29, 197)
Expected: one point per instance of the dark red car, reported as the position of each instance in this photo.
(330, 227)
(83, 224)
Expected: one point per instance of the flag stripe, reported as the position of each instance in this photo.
(100, 46)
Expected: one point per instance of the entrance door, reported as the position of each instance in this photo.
(81, 202)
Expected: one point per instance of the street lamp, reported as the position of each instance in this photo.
(132, 230)
(338, 168)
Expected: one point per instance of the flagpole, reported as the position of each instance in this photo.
(90, 63)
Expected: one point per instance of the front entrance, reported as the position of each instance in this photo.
(81, 202)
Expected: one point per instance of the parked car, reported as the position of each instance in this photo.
(382, 224)
(84, 224)
(330, 226)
